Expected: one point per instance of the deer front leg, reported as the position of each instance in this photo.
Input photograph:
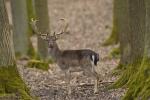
(96, 85)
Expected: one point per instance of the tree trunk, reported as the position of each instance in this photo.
(131, 30)
(139, 87)
(6, 45)
(122, 23)
(31, 14)
(20, 26)
(41, 10)
(10, 80)
(137, 30)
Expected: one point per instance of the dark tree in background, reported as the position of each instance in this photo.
(41, 10)
(114, 38)
(10, 80)
(22, 43)
(31, 14)
(122, 22)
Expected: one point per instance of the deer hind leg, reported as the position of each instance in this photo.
(96, 84)
(89, 72)
(68, 78)
(96, 79)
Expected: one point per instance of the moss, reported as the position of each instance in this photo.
(50, 61)
(115, 53)
(122, 80)
(113, 38)
(127, 74)
(17, 54)
(139, 84)
(39, 64)
(11, 83)
(8, 97)
(116, 72)
(145, 92)
(119, 69)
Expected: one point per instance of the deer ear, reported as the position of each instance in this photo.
(43, 36)
(54, 36)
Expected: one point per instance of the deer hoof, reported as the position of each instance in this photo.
(69, 92)
(96, 91)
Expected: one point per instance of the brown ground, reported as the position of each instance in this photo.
(90, 23)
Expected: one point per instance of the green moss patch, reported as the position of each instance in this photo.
(119, 69)
(11, 83)
(115, 53)
(139, 84)
(127, 74)
(137, 79)
(39, 64)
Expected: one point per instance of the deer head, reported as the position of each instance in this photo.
(51, 38)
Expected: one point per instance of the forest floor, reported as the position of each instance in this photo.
(90, 23)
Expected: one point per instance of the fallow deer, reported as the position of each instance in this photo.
(71, 60)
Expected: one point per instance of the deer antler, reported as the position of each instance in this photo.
(46, 35)
(35, 29)
(65, 27)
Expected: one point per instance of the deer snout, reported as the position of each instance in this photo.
(50, 46)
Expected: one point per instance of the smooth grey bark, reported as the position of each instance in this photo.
(7, 56)
(147, 35)
(41, 10)
(122, 23)
(31, 14)
(20, 26)
(137, 14)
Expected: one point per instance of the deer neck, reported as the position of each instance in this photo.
(55, 53)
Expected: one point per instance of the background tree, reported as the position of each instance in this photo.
(114, 38)
(31, 14)
(20, 26)
(41, 10)
(10, 80)
(122, 22)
